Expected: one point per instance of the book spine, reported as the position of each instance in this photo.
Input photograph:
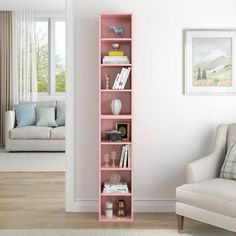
(125, 78)
(120, 78)
(116, 81)
(122, 157)
(125, 157)
(129, 155)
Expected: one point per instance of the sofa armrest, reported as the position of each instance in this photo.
(209, 167)
(9, 125)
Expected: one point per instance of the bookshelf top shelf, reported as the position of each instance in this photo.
(104, 142)
(116, 90)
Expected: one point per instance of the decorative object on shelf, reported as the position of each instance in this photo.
(118, 30)
(116, 106)
(115, 178)
(113, 158)
(109, 210)
(121, 208)
(115, 60)
(208, 72)
(113, 135)
(115, 52)
(123, 127)
(106, 160)
(107, 82)
(115, 46)
(121, 78)
(115, 187)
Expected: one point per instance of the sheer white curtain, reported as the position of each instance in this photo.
(24, 57)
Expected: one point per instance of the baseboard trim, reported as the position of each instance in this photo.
(140, 205)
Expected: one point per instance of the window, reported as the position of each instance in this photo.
(50, 48)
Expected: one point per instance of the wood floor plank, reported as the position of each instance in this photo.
(36, 200)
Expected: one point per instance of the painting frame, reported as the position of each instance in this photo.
(189, 67)
(126, 126)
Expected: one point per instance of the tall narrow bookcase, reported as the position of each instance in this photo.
(108, 121)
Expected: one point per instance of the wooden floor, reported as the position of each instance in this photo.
(36, 200)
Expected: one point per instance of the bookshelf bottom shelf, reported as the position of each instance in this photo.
(127, 218)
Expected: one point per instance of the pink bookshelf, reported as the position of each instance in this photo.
(108, 121)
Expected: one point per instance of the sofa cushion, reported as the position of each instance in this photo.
(42, 103)
(25, 115)
(216, 195)
(30, 132)
(228, 170)
(60, 113)
(46, 116)
(58, 133)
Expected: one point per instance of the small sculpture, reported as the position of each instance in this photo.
(113, 158)
(115, 178)
(107, 82)
(115, 46)
(117, 30)
(106, 159)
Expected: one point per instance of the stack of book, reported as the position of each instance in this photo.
(125, 157)
(121, 78)
(115, 60)
(121, 187)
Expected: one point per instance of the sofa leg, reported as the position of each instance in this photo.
(180, 223)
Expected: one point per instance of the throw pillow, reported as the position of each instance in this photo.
(25, 115)
(46, 116)
(228, 170)
(60, 113)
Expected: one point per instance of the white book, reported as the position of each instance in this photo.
(124, 78)
(122, 156)
(125, 157)
(129, 155)
(116, 81)
(120, 78)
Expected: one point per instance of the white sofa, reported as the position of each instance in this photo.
(206, 197)
(32, 138)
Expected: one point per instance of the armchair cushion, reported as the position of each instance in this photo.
(228, 170)
(216, 195)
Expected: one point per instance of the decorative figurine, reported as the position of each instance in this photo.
(117, 30)
(115, 178)
(113, 158)
(115, 46)
(121, 211)
(106, 159)
(107, 82)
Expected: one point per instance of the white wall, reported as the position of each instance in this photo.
(170, 129)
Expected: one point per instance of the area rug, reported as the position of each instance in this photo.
(117, 232)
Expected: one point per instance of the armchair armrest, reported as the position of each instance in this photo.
(9, 125)
(208, 167)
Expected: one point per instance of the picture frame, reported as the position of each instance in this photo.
(124, 128)
(209, 61)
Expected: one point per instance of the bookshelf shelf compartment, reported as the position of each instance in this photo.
(108, 121)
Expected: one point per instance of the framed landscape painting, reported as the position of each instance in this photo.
(210, 62)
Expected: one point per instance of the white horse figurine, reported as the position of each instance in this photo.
(117, 30)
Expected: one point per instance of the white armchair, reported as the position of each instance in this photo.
(206, 197)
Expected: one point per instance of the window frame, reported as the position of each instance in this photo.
(51, 56)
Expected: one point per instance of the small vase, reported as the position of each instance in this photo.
(116, 106)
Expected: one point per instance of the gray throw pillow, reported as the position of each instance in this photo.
(60, 113)
(228, 170)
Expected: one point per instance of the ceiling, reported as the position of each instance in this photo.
(32, 5)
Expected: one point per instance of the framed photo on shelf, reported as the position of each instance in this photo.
(209, 61)
(124, 128)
